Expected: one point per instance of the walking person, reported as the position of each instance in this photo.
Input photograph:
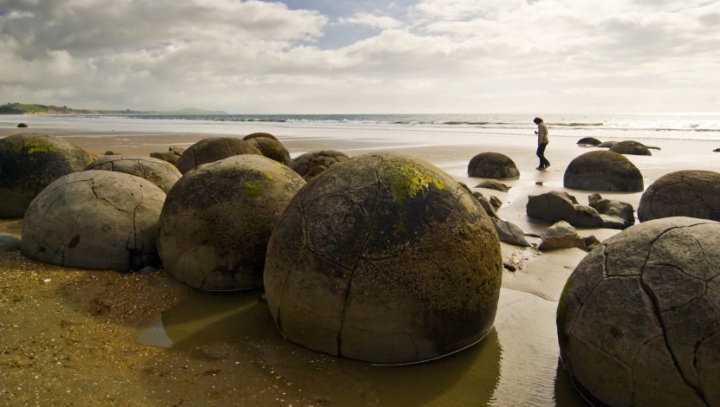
(543, 141)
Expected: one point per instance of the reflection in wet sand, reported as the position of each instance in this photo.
(475, 377)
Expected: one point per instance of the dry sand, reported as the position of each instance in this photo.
(84, 338)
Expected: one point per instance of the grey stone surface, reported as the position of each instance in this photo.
(217, 221)
(9, 243)
(607, 144)
(510, 233)
(639, 321)
(29, 163)
(271, 148)
(492, 165)
(493, 184)
(555, 206)
(213, 149)
(310, 164)
(563, 236)
(386, 259)
(615, 214)
(172, 155)
(159, 172)
(99, 220)
(682, 193)
(603, 171)
(589, 141)
(630, 147)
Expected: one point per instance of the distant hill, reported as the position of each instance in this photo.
(31, 108)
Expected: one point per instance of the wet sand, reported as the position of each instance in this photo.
(82, 338)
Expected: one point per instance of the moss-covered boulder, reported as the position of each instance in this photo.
(639, 322)
(99, 220)
(159, 172)
(311, 164)
(271, 148)
(603, 171)
(386, 259)
(29, 163)
(213, 149)
(492, 165)
(217, 221)
(630, 147)
(682, 193)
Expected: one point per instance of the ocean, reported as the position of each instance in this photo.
(680, 126)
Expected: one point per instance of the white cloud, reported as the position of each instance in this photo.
(371, 20)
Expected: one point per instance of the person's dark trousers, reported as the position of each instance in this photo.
(541, 155)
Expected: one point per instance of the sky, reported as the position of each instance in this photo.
(335, 56)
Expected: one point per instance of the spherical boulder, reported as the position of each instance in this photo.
(259, 134)
(630, 147)
(683, 193)
(589, 141)
(212, 149)
(159, 172)
(492, 165)
(100, 220)
(310, 164)
(271, 148)
(217, 221)
(22, 125)
(29, 163)
(386, 259)
(639, 322)
(603, 171)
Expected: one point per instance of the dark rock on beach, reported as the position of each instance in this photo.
(607, 144)
(555, 206)
(682, 193)
(101, 220)
(260, 135)
(510, 233)
(159, 172)
(22, 125)
(630, 147)
(493, 184)
(589, 141)
(386, 259)
(9, 243)
(213, 149)
(638, 320)
(29, 163)
(603, 171)
(492, 165)
(217, 221)
(310, 164)
(271, 148)
(615, 214)
(563, 236)
(172, 155)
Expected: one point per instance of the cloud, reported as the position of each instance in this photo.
(371, 20)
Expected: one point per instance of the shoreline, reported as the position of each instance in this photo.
(74, 335)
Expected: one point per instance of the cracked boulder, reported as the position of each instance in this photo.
(492, 165)
(159, 172)
(313, 163)
(99, 220)
(555, 206)
(682, 193)
(213, 149)
(384, 259)
(639, 318)
(603, 171)
(615, 214)
(29, 163)
(217, 220)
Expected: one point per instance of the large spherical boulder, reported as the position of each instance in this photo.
(589, 141)
(29, 163)
(682, 193)
(260, 134)
(271, 148)
(630, 147)
(159, 172)
(217, 221)
(603, 171)
(311, 164)
(492, 165)
(99, 220)
(213, 149)
(639, 321)
(386, 259)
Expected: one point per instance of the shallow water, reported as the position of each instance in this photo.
(516, 364)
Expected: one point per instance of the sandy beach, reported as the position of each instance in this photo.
(82, 338)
